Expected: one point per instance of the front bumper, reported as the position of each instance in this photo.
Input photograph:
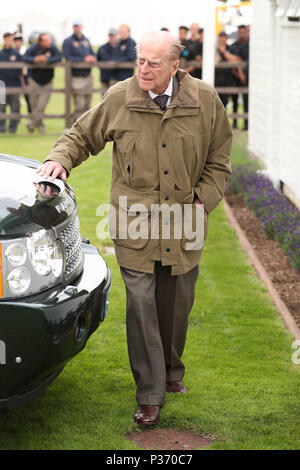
(41, 333)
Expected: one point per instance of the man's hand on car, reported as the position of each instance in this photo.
(52, 169)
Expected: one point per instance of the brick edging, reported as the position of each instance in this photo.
(281, 306)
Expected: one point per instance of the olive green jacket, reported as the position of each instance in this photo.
(158, 158)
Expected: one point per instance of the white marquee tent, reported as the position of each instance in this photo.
(274, 99)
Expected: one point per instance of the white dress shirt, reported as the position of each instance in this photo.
(167, 92)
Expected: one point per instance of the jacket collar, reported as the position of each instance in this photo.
(185, 94)
(76, 38)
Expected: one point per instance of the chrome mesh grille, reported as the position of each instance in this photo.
(71, 239)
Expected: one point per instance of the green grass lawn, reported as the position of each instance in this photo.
(242, 384)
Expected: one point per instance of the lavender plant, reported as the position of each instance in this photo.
(280, 218)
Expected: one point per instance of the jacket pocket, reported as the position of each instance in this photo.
(189, 159)
(130, 216)
(200, 144)
(124, 150)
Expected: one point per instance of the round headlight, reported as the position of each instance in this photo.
(40, 258)
(19, 280)
(46, 255)
(16, 254)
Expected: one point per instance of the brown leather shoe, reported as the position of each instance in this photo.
(176, 386)
(147, 415)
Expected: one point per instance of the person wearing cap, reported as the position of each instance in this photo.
(187, 52)
(40, 79)
(126, 52)
(11, 79)
(108, 52)
(19, 43)
(77, 48)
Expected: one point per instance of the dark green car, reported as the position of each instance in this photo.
(54, 285)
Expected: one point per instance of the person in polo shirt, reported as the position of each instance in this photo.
(195, 45)
(11, 79)
(77, 48)
(40, 79)
(126, 52)
(109, 51)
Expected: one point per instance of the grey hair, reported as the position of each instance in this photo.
(173, 45)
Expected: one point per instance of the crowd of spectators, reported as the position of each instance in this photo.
(120, 47)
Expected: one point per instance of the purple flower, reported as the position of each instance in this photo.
(280, 218)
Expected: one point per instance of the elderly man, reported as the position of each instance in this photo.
(172, 143)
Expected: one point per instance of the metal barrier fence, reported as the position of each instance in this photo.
(67, 91)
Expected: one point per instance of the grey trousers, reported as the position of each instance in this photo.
(39, 96)
(82, 89)
(157, 310)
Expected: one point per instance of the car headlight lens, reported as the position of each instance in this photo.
(57, 259)
(45, 254)
(16, 254)
(19, 280)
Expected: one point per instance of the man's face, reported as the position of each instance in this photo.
(45, 42)
(77, 30)
(154, 68)
(18, 44)
(8, 41)
(112, 39)
(194, 29)
(222, 40)
(124, 32)
(182, 34)
(242, 34)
